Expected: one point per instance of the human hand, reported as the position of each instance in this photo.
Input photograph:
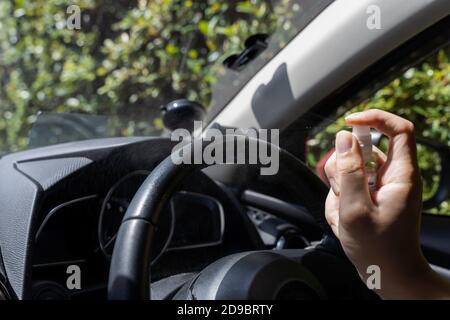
(382, 227)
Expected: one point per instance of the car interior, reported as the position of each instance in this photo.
(140, 227)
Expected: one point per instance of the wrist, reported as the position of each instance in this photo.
(414, 280)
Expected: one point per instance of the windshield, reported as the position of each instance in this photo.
(84, 69)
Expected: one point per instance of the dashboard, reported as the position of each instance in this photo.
(89, 225)
(82, 232)
(62, 206)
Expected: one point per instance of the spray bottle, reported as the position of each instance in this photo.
(362, 134)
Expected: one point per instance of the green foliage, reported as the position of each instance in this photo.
(129, 58)
(422, 95)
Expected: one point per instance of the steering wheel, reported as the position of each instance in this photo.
(250, 275)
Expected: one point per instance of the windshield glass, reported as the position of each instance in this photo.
(86, 69)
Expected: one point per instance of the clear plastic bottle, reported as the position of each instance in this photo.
(362, 134)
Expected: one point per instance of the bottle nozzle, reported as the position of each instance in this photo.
(362, 134)
(360, 131)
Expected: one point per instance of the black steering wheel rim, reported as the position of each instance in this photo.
(129, 277)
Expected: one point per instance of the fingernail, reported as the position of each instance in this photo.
(353, 115)
(344, 141)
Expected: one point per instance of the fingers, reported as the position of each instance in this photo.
(354, 191)
(385, 122)
(401, 131)
(381, 156)
(331, 169)
(332, 212)
(330, 172)
(353, 203)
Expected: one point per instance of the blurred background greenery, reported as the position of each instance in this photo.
(131, 57)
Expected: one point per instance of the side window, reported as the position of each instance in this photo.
(422, 95)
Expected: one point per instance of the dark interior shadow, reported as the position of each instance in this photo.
(269, 96)
(266, 103)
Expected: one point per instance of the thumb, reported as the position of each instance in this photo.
(354, 191)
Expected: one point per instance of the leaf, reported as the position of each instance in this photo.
(172, 49)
